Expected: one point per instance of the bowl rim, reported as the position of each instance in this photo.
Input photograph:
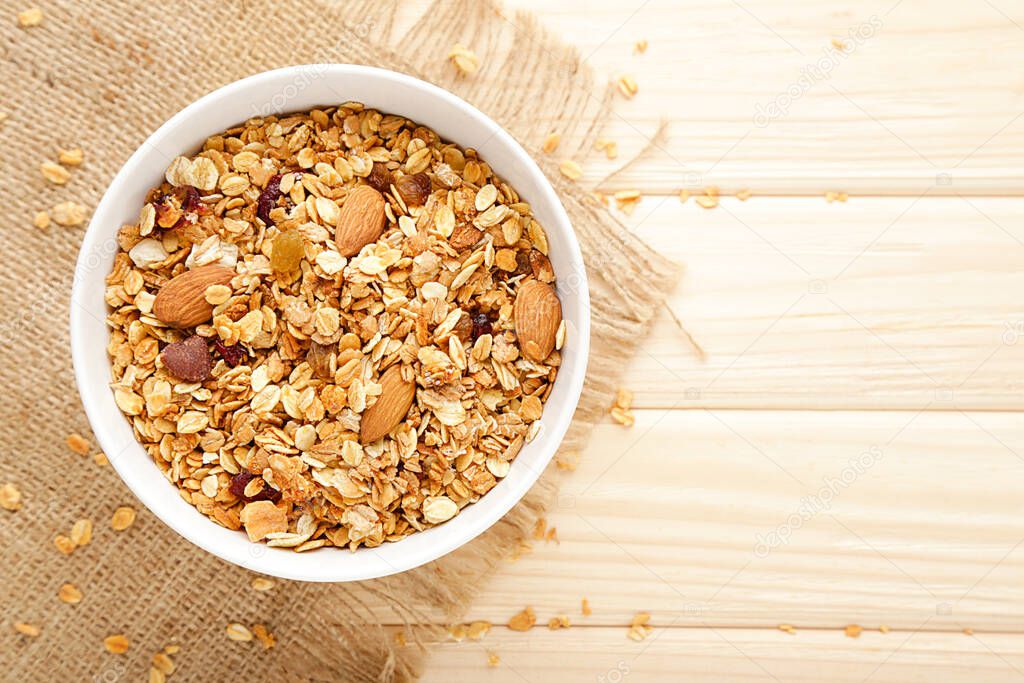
(444, 543)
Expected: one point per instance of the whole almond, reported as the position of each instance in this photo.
(538, 313)
(391, 406)
(361, 220)
(182, 302)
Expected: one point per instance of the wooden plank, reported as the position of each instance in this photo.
(877, 303)
(675, 516)
(735, 655)
(927, 101)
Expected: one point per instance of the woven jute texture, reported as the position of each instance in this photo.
(103, 75)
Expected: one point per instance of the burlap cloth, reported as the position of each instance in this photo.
(103, 76)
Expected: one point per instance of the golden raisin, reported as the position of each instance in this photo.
(287, 252)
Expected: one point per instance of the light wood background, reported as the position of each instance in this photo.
(886, 327)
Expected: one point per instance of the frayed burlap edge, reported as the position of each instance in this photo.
(103, 76)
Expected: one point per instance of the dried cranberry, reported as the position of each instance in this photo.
(191, 200)
(481, 325)
(380, 178)
(268, 199)
(242, 479)
(232, 355)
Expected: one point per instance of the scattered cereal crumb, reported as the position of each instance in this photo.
(839, 44)
(71, 157)
(684, 195)
(552, 536)
(621, 410)
(523, 621)
(744, 195)
(157, 676)
(968, 631)
(570, 169)
(41, 220)
(64, 544)
(78, 444)
(30, 630)
(172, 649)
(551, 143)
(238, 632)
(478, 629)
(627, 200)
(836, 197)
(457, 632)
(68, 214)
(400, 638)
(81, 532)
(117, 644)
(853, 631)
(69, 593)
(627, 86)
(262, 583)
(30, 17)
(567, 462)
(640, 47)
(3, 116)
(788, 628)
(558, 622)
(100, 458)
(163, 663)
(464, 59)
(707, 202)
(883, 628)
(493, 659)
(55, 173)
(10, 497)
(539, 527)
(266, 638)
(585, 608)
(122, 518)
(639, 628)
(609, 147)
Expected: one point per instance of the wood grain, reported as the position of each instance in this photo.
(877, 303)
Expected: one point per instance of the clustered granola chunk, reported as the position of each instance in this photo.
(317, 323)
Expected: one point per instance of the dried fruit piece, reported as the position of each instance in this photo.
(287, 252)
(188, 359)
(268, 199)
(361, 220)
(481, 325)
(538, 313)
(232, 354)
(380, 178)
(242, 479)
(414, 189)
(181, 303)
(391, 406)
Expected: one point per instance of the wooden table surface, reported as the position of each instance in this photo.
(850, 451)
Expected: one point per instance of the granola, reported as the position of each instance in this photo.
(333, 328)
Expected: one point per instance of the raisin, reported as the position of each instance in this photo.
(287, 252)
(191, 200)
(380, 178)
(414, 189)
(481, 325)
(268, 199)
(232, 355)
(242, 479)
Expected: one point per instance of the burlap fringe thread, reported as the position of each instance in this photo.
(103, 75)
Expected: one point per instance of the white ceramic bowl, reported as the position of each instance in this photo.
(296, 89)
